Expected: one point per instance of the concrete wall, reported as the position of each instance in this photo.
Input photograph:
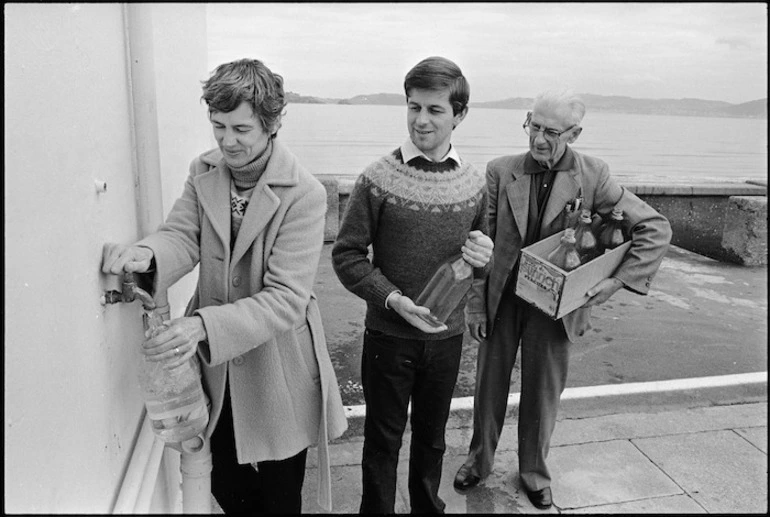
(72, 406)
(745, 230)
(699, 216)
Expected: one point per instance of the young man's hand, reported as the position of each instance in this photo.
(412, 313)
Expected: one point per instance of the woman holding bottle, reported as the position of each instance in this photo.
(252, 218)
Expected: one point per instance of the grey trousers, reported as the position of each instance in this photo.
(544, 366)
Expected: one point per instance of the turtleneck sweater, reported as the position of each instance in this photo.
(244, 179)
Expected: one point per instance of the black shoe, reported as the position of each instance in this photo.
(541, 499)
(465, 479)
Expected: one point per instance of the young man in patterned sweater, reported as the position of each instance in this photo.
(417, 207)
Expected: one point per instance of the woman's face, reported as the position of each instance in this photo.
(239, 135)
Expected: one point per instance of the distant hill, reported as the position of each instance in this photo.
(612, 103)
(753, 109)
(619, 104)
(303, 99)
(386, 99)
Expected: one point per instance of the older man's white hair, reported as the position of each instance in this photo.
(555, 99)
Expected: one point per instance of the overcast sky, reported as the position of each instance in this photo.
(713, 51)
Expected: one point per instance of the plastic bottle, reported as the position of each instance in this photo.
(585, 240)
(451, 281)
(611, 233)
(175, 401)
(565, 256)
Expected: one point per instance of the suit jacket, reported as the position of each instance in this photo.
(262, 319)
(589, 177)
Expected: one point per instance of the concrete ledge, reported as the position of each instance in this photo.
(331, 183)
(613, 398)
(698, 214)
(703, 189)
(745, 229)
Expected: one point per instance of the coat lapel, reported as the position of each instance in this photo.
(281, 171)
(518, 198)
(214, 195)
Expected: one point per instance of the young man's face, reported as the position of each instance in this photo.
(239, 134)
(430, 121)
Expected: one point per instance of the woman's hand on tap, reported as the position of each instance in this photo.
(118, 258)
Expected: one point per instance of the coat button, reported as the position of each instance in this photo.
(238, 361)
(236, 281)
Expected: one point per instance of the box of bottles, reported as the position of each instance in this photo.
(557, 292)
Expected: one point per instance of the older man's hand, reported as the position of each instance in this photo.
(602, 291)
(477, 250)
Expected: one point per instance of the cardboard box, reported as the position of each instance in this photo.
(557, 292)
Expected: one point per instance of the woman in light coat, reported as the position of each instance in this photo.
(253, 219)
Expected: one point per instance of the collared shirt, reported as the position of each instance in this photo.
(540, 190)
(409, 151)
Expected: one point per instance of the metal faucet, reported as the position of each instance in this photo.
(130, 292)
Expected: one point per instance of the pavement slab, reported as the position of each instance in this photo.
(640, 425)
(603, 473)
(656, 505)
(498, 493)
(757, 436)
(720, 470)
(346, 490)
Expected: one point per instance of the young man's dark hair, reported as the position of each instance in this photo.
(438, 73)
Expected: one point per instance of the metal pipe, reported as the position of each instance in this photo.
(147, 487)
(196, 475)
(131, 292)
(141, 462)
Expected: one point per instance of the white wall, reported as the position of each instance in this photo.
(72, 406)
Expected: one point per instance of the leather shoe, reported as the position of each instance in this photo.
(540, 498)
(465, 479)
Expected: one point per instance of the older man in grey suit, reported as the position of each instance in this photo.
(527, 196)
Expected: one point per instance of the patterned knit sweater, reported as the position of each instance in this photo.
(415, 216)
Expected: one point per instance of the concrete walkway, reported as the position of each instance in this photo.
(681, 460)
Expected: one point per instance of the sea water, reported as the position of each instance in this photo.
(341, 140)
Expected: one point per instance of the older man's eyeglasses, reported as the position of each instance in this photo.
(549, 133)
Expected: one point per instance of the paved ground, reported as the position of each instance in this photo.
(699, 460)
(702, 318)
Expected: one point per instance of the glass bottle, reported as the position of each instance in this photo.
(611, 233)
(570, 216)
(565, 256)
(175, 401)
(449, 284)
(585, 240)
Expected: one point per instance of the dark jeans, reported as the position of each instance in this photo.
(239, 488)
(393, 370)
